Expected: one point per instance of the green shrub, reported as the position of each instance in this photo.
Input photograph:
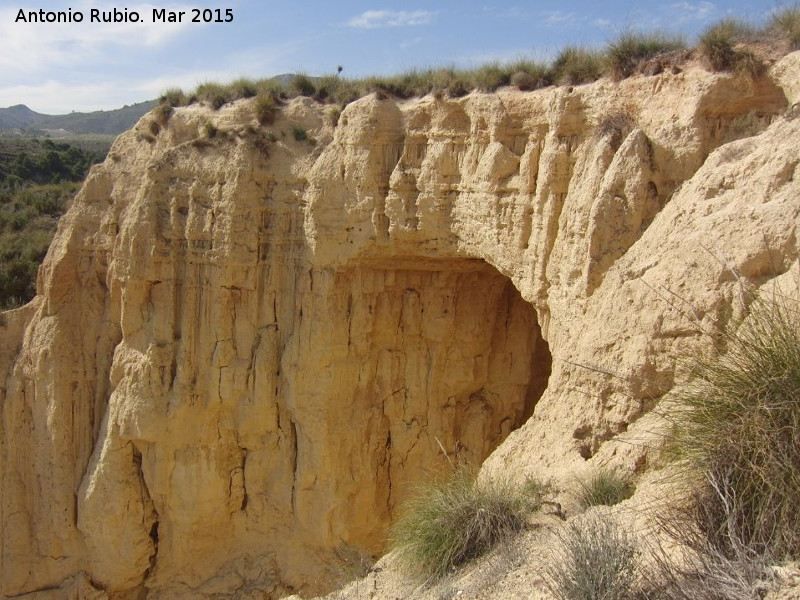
(575, 65)
(452, 522)
(173, 97)
(786, 21)
(302, 85)
(162, 113)
(272, 87)
(529, 75)
(717, 44)
(594, 559)
(333, 115)
(213, 94)
(300, 134)
(209, 130)
(605, 487)
(242, 88)
(736, 427)
(626, 55)
(414, 83)
(265, 107)
(448, 80)
(489, 77)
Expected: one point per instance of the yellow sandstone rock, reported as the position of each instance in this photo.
(245, 353)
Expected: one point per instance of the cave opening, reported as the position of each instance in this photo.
(437, 361)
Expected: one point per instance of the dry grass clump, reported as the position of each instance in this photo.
(162, 113)
(700, 561)
(595, 558)
(737, 425)
(490, 77)
(452, 522)
(173, 97)
(718, 48)
(626, 56)
(575, 65)
(786, 21)
(264, 107)
(301, 85)
(604, 487)
(529, 75)
(299, 133)
(242, 88)
(214, 94)
(615, 126)
(723, 47)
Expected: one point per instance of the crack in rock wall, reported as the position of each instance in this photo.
(247, 350)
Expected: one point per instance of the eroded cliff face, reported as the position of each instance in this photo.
(247, 350)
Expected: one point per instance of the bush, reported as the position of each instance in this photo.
(695, 564)
(272, 87)
(716, 44)
(717, 47)
(264, 107)
(173, 97)
(488, 78)
(213, 94)
(209, 130)
(529, 75)
(575, 65)
(333, 115)
(786, 21)
(162, 113)
(452, 522)
(594, 559)
(300, 134)
(604, 488)
(630, 51)
(736, 426)
(242, 88)
(301, 85)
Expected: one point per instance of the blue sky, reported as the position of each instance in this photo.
(59, 67)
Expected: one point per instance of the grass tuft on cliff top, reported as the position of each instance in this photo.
(786, 23)
(722, 46)
(630, 51)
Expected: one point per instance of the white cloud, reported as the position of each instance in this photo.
(28, 48)
(409, 43)
(57, 97)
(693, 11)
(508, 12)
(373, 19)
(557, 17)
(53, 97)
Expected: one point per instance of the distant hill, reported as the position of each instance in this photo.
(107, 122)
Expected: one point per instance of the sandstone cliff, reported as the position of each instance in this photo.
(247, 349)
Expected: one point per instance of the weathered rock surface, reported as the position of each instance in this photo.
(245, 353)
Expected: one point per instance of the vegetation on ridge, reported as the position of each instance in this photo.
(723, 47)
